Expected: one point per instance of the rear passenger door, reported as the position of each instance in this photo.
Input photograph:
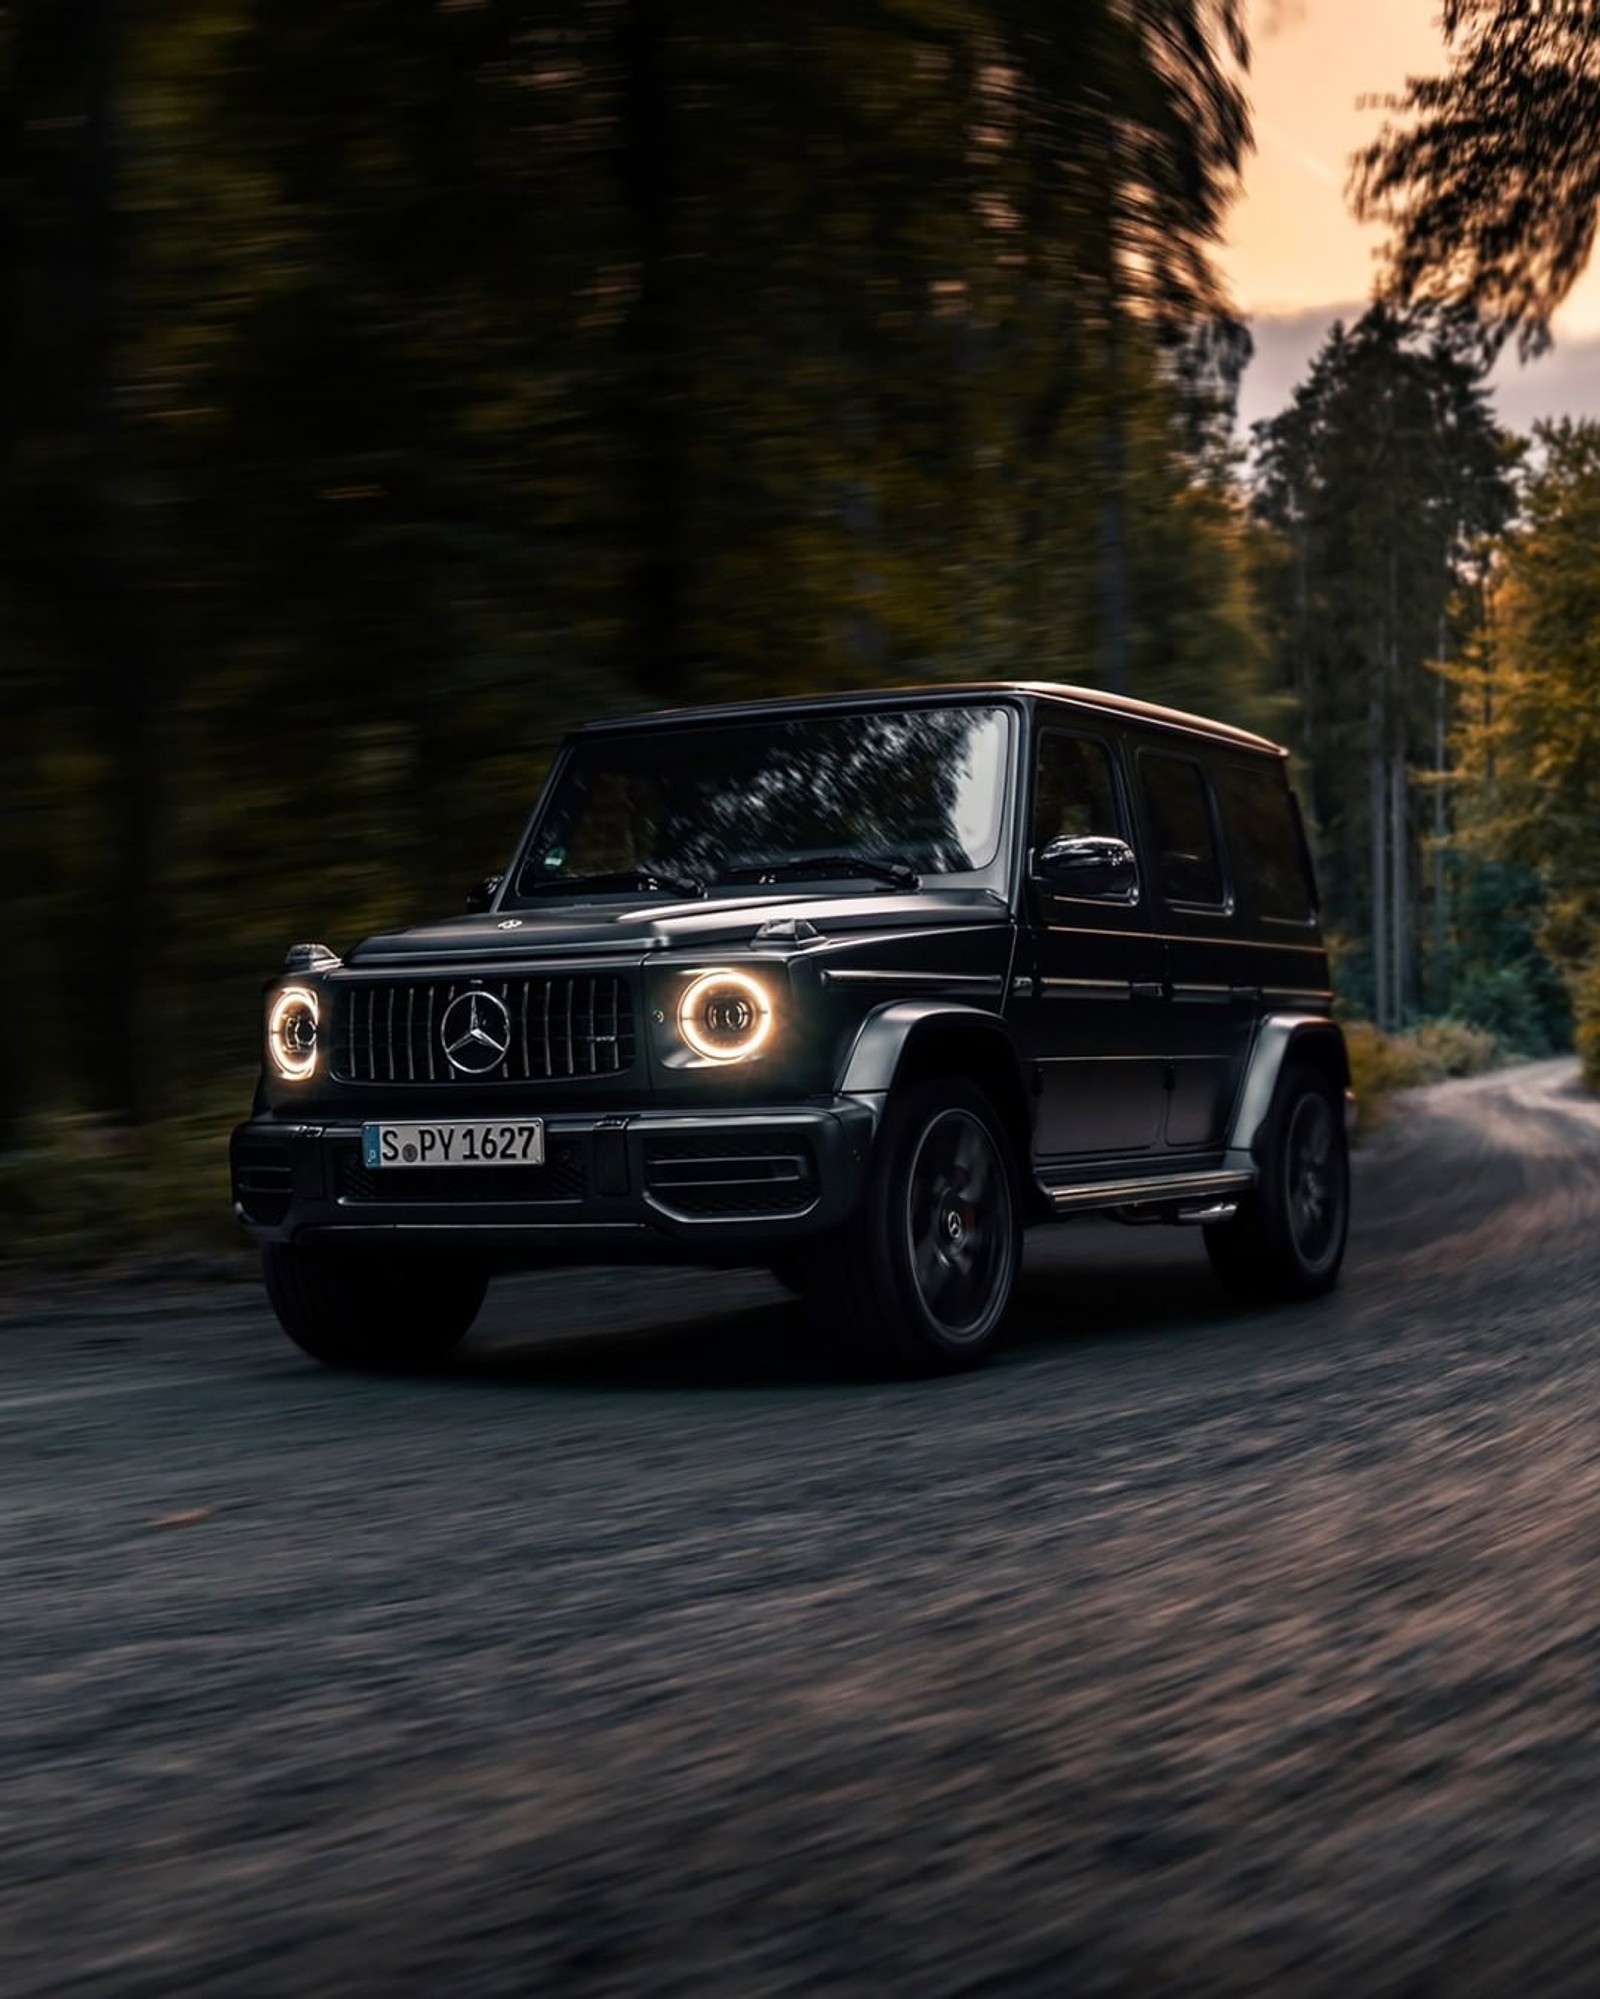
(1212, 1012)
(1090, 1016)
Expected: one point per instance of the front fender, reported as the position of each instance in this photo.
(885, 1035)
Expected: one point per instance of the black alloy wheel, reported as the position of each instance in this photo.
(920, 1278)
(1288, 1238)
(958, 1223)
(1315, 1201)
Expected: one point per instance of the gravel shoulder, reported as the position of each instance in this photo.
(1181, 1650)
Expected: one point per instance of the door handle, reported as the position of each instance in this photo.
(1147, 989)
(1246, 995)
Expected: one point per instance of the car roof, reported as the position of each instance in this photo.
(1091, 699)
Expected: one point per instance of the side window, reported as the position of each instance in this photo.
(1264, 835)
(1177, 803)
(1073, 793)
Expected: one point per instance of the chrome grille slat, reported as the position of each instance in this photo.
(564, 1027)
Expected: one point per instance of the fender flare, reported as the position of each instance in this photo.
(1278, 1036)
(888, 1031)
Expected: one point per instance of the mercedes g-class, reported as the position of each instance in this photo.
(852, 987)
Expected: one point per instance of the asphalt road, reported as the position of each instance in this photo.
(1181, 1651)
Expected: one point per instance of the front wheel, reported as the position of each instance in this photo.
(1288, 1239)
(793, 1273)
(360, 1308)
(919, 1279)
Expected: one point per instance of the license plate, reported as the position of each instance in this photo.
(477, 1144)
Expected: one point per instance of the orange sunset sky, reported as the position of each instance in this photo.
(1295, 257)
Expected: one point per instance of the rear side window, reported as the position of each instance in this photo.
(1183, 834)
(1074, 794)
(1263, 833)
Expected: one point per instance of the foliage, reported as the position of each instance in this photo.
(1529, 734)
(1513, 1004)
(1489, 175)
(77, 1191)
(1500, 977)
(1586, 1005)
(1436, 1052)
(391, 388)
(1377, 484)
(1489, 178)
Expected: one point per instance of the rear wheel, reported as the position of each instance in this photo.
(365, 1309)
(1288, 1238)
(920, 1277)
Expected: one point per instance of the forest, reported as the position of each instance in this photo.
(387, 388)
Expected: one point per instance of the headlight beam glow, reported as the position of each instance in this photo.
(292, 1022)
(725, 1016)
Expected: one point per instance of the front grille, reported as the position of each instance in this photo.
(560, 1178)
(740, 1176)
(555, 1029)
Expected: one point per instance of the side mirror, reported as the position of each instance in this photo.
(481, 895)
(1092, 866)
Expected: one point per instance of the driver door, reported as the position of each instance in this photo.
(1092, 1016)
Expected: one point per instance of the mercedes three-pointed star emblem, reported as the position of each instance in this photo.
(475, 1032)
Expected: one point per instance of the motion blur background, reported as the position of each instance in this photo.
(385, 388)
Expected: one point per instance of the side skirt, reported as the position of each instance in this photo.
(1209, 1195)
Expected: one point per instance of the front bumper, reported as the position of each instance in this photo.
(673, 1183)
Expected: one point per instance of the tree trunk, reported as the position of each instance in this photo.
(1440, 982)
(864, 640)
(1486, 627)
(1377, 806)
(1113, 514)
(1114, 670)
(1302, 648)
(1400, 912)
(121, 973)
(14, 747)
(655, 389)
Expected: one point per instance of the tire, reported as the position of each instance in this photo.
(353, 1308)
(919, 1279)
(1288, 1239)
(793, 1273)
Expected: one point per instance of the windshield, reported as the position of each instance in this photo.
(873, 798)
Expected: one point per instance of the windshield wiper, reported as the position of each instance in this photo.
(649, 881)
(821, 867)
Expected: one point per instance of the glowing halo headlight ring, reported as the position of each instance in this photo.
(292, 1021)
(725, 1016)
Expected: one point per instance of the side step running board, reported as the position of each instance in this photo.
(1200, 1191)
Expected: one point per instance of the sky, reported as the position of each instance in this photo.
(1295, 257)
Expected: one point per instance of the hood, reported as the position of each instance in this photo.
(630, 929)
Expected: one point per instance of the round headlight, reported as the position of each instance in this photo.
(725, 1016)
(292, 1032)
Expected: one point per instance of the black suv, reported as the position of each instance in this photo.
(853, 987)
